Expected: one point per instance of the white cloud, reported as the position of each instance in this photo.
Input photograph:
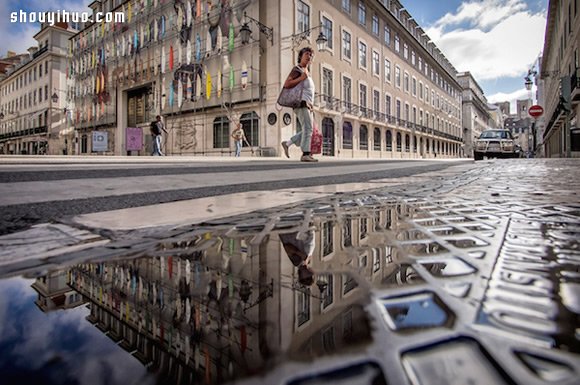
(511, 97)
(490, 38)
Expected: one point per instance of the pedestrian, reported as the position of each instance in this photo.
(157, 128)
(304, 120)
(239, 135)
(299, 247)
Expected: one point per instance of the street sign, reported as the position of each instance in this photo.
(536, 111)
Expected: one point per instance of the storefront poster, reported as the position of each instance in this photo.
(134, 138)
(100, 141)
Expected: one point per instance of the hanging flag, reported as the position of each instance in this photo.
(207, 85)
(231, 78)
(231, 37)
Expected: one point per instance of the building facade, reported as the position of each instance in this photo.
(35, 102)
(476, 116)
(559, 71)
(383, 89)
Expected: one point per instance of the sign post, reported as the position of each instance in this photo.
(535, 112)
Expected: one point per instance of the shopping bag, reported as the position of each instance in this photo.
(316, 141)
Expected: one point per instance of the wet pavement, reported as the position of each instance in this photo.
(452, 278)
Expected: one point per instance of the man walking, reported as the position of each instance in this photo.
(156, 130)
(239, 135)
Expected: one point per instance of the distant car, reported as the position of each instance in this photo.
(495, 144)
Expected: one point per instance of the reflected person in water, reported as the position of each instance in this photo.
(300, 246)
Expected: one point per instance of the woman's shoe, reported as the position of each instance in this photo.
(308, 158)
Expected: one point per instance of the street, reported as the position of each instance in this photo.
(39, 189)
(404, 273)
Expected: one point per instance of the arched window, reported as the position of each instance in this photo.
(427, 146)
(388, 141)
(399, 142)
(251, 126)
(407, 143)
(364, 138)
(347, 135)
(221, 132)
(414, 143)
(377, 139)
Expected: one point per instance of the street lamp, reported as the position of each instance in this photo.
(321, 40)
(54, 98)
(246, 32)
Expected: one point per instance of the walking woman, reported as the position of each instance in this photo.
(299, 74)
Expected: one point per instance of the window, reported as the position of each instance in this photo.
(399, 142)
(407, 143)
(328, 298)
(40, 70)
(387, 37)
(376, 260)
(405, 51)
(376, 147)
(397, 76)
(251, 125)
(376, 64)
(406, 82)
(397, 44)
(387, 70)
(347, 135)
(362, 55)
(303, 16)
(376, 25)
(327, 84)
(388, 104)
(327, 238)
(414, 86)
(362, 97)
(346, 6)
(398, 109)
(303, 304)
(420, 90)
(362, 13)
(221, 132)
(389, 141)
(364, 138)
(376, 101)
(347, 233)
(347, 90)
(327, 30)
(45, 92)
(346, 49)
(420, 64)
(412, 57)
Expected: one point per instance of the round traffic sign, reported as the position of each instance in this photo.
(536, 111)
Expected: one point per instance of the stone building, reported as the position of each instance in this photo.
(559, 70)
(384, 90)
(35, 99)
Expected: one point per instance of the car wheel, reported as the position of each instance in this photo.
(477, 156)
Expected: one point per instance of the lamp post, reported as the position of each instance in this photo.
(298, 38)
(246, 32)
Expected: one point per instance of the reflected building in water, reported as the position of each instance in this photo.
(211, 306)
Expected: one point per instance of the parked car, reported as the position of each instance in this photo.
(495, 144)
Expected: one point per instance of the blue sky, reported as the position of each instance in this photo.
(496, 40)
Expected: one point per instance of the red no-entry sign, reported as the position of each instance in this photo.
(536, 111)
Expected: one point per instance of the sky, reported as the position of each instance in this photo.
(496, 40)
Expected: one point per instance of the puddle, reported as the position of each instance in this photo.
(291, 296)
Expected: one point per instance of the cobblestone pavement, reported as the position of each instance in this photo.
(464, 278)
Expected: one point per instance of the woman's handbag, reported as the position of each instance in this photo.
(291, 97)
